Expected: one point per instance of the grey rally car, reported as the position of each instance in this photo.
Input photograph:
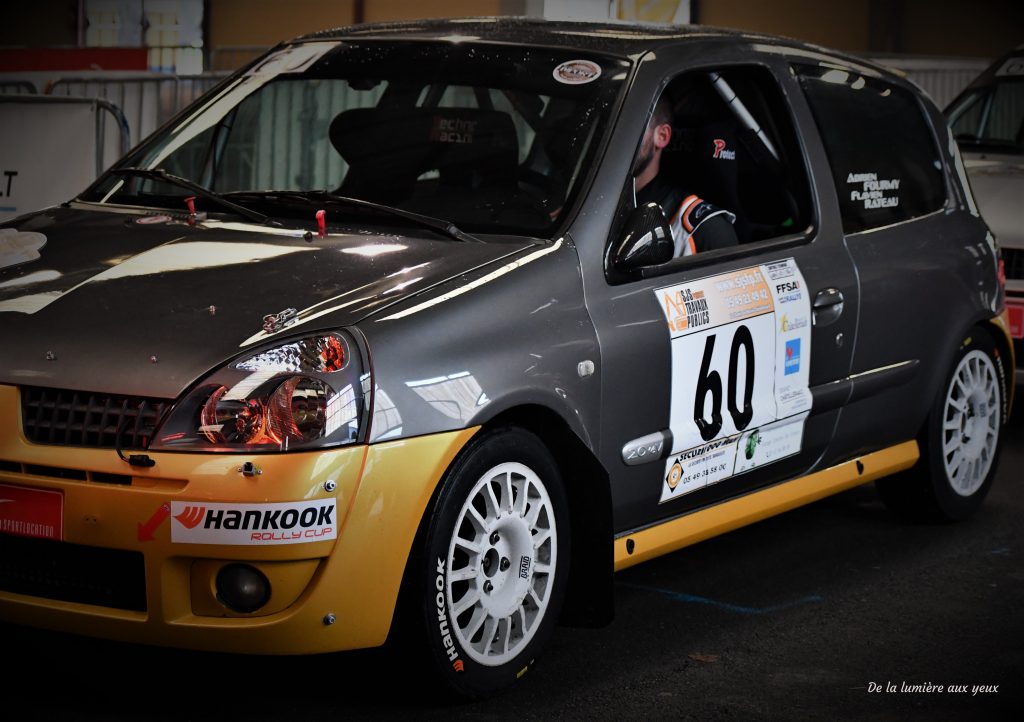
(373, 341)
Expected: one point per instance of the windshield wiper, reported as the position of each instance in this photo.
(162, 175)
(439, 225)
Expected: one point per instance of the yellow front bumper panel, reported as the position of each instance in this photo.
(330, 530)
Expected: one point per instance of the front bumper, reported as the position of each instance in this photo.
(380, 492)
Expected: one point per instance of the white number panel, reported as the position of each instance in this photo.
(741, 347)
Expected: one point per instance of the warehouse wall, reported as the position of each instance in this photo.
(981, 28)
(265, 22)
(837, 25)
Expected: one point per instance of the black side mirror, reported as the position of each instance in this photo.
(648, 240)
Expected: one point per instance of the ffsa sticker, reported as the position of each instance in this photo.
(741, 347)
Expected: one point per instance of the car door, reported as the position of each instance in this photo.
(715, 367)
(926, 265)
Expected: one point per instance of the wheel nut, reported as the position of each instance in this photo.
(495, 538)
(505, 564)
(488, 587)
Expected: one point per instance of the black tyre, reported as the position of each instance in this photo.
(960, 441)
(495, 562)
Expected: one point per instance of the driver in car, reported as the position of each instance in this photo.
(696, 224)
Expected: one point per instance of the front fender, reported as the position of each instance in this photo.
(511, 334)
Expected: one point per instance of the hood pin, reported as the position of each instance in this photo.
(191, 203)
(51, 356)
(153, 359)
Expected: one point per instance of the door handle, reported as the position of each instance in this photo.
(827, 307)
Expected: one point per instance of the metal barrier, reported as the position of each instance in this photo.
(941, 78)
(146, 99)
(62, 145)
(17, 87)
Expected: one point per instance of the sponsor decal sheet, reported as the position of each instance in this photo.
(741, 347)
(253, 524)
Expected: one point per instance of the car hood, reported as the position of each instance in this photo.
(136, 304)
(998, 185)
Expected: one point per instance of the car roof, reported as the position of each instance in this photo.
(610, 37)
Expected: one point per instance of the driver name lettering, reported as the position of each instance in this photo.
(872, 191)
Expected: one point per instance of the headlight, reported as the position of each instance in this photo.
(302, 394)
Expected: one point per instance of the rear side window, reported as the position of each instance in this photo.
(884, 160)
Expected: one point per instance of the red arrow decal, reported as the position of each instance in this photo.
(146, 530)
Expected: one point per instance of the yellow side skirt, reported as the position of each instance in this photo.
(637, 547)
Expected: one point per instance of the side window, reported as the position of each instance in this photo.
(991, 118)
(885, 164)
(730, 145)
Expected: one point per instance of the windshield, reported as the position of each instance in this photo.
(492, 138)
(991, 117)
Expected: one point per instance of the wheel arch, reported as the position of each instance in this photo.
(589, 601)
(998, 328)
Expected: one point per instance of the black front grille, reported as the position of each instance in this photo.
(1013, 263)
(81, 418)
(73, 573)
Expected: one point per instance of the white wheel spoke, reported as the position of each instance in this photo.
(471, 598)
(521, 613)
(469, 546)
(535, 511)
(507, 624)
(462, 575)
(540, 537)
(475, 622)
(958, 404)
(507, 493)
(476, 520)
(955, 463)
(493, 507)
(524, 498)
(490, 630)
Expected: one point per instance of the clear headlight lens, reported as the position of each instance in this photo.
(302, 394)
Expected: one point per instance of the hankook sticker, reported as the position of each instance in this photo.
(577, 72)
(740, 346)
(199, 522)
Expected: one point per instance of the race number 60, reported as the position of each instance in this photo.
(709, 382)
